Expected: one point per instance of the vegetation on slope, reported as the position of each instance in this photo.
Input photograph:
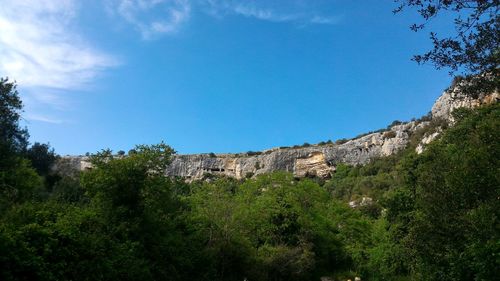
(433, 216)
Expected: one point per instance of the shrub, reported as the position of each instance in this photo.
(395, 123)
(389, 135)
(257, 165)
(341, 141)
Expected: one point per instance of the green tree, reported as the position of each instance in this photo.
(18, 180)
(213, 212)
(13, 138)
(18, 183)
(454, 233)
(42, 157)
(55, 241)
(274, 227)
(473, 51)
(142, 208)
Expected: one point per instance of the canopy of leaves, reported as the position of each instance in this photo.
(434, 216)
(473, 51)
(13, 138)
(455, 231)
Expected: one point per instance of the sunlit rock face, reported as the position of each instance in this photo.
(68, 165)
(448, 102)
(314, 160)
(428, 138)
(315, 164)
(451, 100)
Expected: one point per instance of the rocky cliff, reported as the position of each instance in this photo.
(453, 99)
(315, 160)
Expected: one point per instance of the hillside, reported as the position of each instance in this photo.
(320, 159)
(416, 201)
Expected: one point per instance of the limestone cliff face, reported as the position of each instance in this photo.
(315, 164)
(449, 101)
(314, 160)
(68, 165)
(446, 104)
(304, 161)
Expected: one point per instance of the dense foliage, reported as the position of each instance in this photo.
(473, 51)
(432, 216)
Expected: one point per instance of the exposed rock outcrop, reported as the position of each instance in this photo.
(303, 161)
(314, 164)
(364, 201)
(451, 100)
(315, 160)
(448, 102)
(68, 165)
(426, 140)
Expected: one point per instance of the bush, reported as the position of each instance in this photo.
(395, 123)
(257, 165)
(341, 141)
(389, 135)
(42, 157)
(456, 184)
(325, 142)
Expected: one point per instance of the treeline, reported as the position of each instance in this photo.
(432, 216)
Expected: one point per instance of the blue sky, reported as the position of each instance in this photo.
(213, 75)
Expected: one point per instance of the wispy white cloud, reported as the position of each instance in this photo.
(43, 118)
(262, 10)
(325, 20)
(42, 51)
(152, 17)
(262, 14)
(39, 48)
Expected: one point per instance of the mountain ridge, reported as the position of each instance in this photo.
(314, 160)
